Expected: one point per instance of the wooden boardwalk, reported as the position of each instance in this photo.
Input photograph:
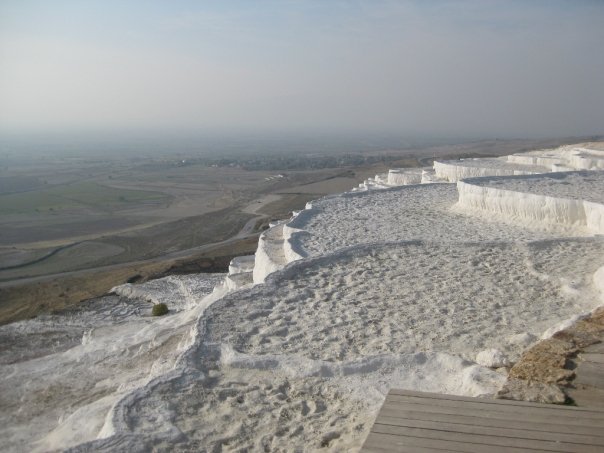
(430, 422)
(588, 386)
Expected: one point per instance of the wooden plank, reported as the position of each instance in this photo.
(378, 442)
(598, 347)
(491, 412)
(556, 421)
(588, 396)
(485, 441)
(589, 373)
(519, 422)
(592, 357)
(492, 406)
(496, 402)
(478, 429)
(374, 443)
(416, 421)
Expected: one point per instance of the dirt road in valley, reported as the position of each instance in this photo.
(246, 231)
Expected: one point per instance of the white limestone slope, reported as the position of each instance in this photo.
(304, 359)
(360, 292)
(62, 374)
(419, 212)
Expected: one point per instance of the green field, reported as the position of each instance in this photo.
(74, 196)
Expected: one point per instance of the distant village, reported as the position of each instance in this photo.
(291, 162)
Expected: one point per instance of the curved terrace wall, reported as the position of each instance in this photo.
(456, 171)
(531, 207)
(587, 161)
(527, 159)
(398, 177)
(269, 255)
(277, 247)
(241, 264)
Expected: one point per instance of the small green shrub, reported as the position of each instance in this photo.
(159, 309)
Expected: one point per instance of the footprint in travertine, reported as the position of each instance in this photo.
(257, 314)
(327, 439)
(308, 407)
(251, 332)
(224, 394)
(282, 332)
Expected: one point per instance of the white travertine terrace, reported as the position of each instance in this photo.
(576, 185)
(236, 281)
(241, 264)
(404, 177)
(418, 212)
(586, 159)
(429, 177)
(61, 392)
(562, 159)
(424, 286)
(571, 199)
(542, 159)
(399, 177)
(274, 251)
(270, 255)
(397, 281)
(565, 158)
(423, 212)
(453, 171)
(240, 273)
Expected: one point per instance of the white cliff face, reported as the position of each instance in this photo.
(453, 171)
(536, 199)
(585, 159)
(240, 274)
(521, 206)
(276, 248)
(400, 177)
(542, 160)
(242, 264)
(270, 255)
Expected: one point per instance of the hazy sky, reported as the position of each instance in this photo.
(473, 68)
